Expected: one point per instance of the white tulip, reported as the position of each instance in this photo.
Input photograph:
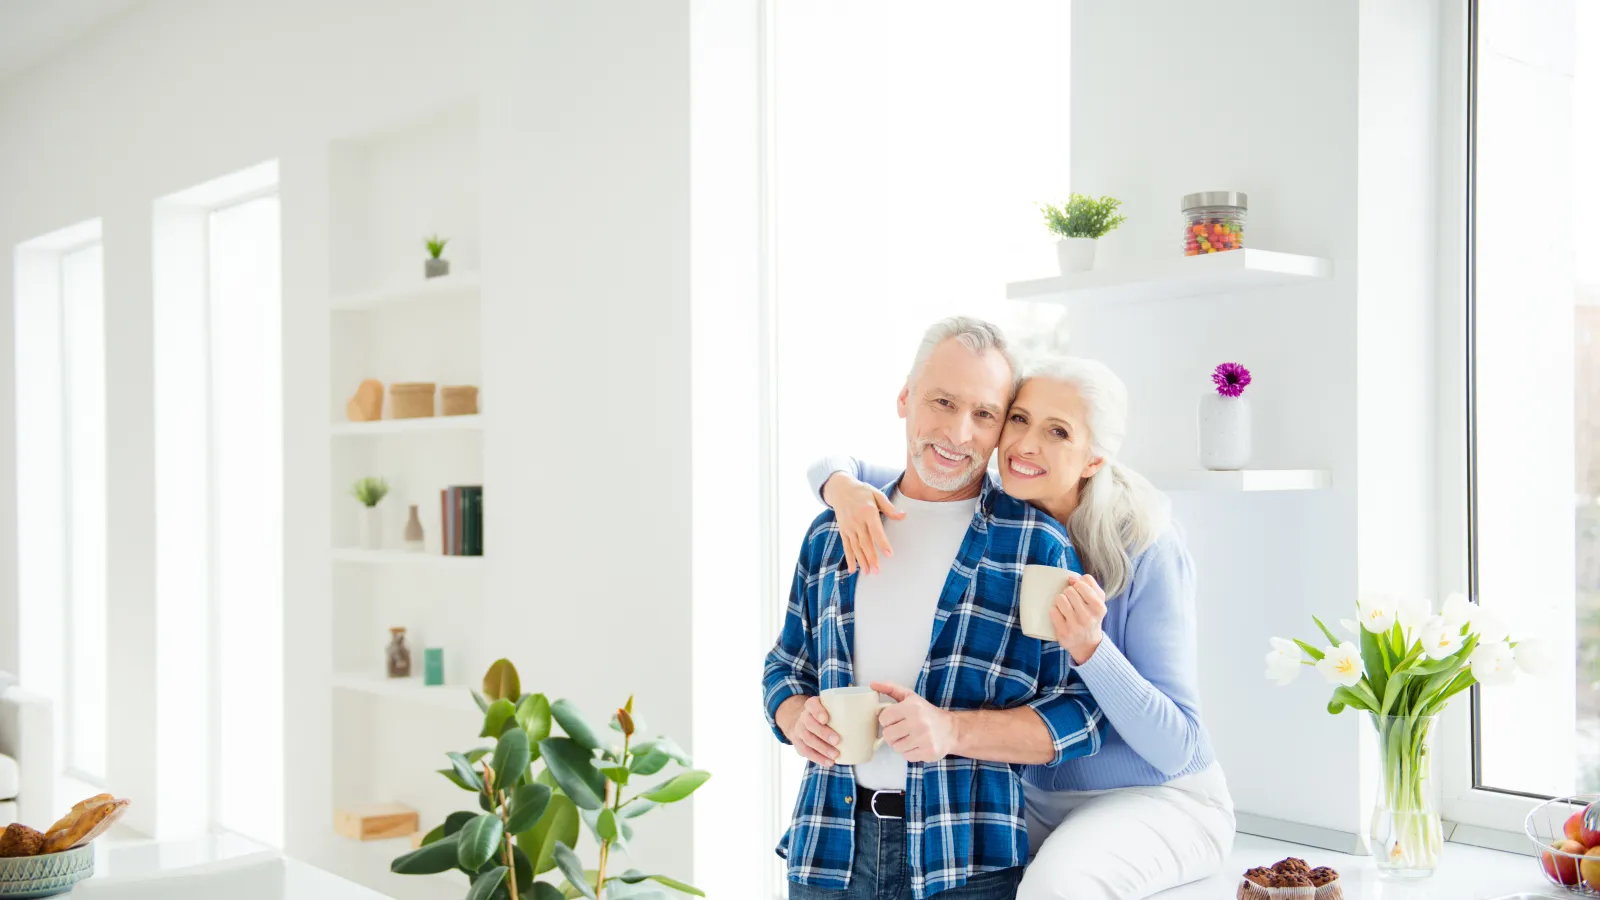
(1534, 656)
(1283, 661)
(1411, 613)
(1493, 663)
(1352, 626)
(1458, 610)
(1341, 665)
(1439, 637)
(1488, 627)
(1377, 612)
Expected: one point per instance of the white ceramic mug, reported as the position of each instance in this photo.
(853, 713)
(1040, 585)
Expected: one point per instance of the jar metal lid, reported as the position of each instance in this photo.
(1217, 198)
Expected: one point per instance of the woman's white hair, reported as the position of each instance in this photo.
(1120, 513)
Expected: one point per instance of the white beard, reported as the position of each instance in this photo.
(939, 479)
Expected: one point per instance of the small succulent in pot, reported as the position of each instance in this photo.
(370, 490)
(1080, 223)
(436, 265)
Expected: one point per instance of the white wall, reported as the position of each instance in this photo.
(168, 96)
(585, 138)
(1260, 96)
(586, 329)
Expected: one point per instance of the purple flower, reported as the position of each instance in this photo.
(1230, 379)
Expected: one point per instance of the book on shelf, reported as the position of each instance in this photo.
(461, 519)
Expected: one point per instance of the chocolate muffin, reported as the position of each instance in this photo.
(1290, 879)
(1326, 881)
(1254, 884)
(1293, 886)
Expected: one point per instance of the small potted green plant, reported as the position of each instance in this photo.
(436, 265)
(1080, 222)
(536, 786)
(370, 491)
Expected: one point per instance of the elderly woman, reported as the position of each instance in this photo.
(1151, 810)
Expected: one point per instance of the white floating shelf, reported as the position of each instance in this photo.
(405, 558)
(1181, 276)
(447, 288)
(452, 696)
(410, 426)
(1241, 480)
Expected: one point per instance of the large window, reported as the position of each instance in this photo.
(84, 381)
(1534, 350)
(247, 506)
(219, 510)
(911, 143)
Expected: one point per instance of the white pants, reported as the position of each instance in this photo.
(1127, 843)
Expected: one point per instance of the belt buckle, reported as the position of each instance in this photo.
(874, 806)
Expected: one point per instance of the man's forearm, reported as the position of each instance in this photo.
(787, 712)
(1003, 735)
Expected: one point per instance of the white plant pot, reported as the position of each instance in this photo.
(370, 523)
(1224, 431)
(1076, 254)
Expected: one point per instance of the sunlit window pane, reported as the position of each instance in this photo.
(1536, 394)
(84, 358)
(912, 142)
(247, 462)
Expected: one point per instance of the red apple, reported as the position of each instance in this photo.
(1585, 836)
(1589, 868)
(1562, 869)
(1574, 826)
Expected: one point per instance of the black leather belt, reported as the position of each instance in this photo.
(883, 804)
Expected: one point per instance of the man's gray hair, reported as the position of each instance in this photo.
(974, 334)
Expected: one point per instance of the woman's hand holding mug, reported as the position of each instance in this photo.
(857, 506)
(1078, 612)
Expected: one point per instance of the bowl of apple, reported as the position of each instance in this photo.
(1566, 836)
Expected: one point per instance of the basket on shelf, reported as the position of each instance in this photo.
(459, 400)
(412, 400)
(1544, 826)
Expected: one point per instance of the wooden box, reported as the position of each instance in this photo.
(412, 399)
(376, 823)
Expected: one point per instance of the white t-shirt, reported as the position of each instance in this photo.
(895, 609)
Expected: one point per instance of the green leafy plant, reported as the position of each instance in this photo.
(370, 491)
(436, 246)
(528, 823)
(1083, 217)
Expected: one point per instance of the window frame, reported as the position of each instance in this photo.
(1474, 813)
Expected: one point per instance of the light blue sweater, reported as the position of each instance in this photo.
(1143, 674)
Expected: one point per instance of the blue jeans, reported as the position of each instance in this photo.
(880, 871)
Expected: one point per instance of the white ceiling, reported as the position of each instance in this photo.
(31, 30)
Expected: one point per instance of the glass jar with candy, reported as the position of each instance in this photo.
(1214, 221)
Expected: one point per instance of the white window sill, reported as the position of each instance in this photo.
(1465, 873)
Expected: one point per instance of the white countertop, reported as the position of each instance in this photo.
(214, 866)
(1466, 873)
(168, 870)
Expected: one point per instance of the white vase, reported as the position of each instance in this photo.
(370, 522)
(1224, 431)
(1076, 254)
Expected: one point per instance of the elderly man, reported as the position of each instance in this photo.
(938, 809)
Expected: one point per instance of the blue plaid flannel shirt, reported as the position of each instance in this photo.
(964, 816)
